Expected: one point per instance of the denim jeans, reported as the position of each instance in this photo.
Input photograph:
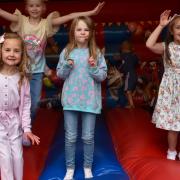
(35, 90)
(71, 119)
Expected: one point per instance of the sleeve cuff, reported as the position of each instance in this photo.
(27, 129)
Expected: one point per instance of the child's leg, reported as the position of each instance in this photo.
(88, 126)
(70, 125)
(35, 88)
(172, 140)
(130, 99)
(5, 155)
(15, 139)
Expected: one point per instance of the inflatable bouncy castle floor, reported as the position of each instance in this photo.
(127, 146)
(47, 161)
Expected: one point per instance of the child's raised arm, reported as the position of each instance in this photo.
(151, 42)
(64, 19)
(8, 16)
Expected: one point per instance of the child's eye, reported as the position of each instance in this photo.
(177, 27)
(17, 50)
(86, 29)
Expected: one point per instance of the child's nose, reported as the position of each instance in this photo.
(82, 32)
(12, 53)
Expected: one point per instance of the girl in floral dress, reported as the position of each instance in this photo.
(167, 111)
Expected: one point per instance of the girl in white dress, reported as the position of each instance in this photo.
(167, 111)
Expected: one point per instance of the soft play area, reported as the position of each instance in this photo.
(127, 144)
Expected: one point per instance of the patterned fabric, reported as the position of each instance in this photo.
(12, 103)
(167, 111)
(82, 86)
(35, 37)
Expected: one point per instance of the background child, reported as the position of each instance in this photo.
(35, 30)
(83, 67)
(14, 106)
(128, 68)
(167, 110)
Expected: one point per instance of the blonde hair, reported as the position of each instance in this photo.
(91, 44)
(43, 1)
(169, 39)
(24, 65)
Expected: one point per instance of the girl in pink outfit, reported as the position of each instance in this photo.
(14, 106)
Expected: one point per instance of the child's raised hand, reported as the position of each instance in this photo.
(34, 139)
(98, 8)
(165, 18)
(92, 61)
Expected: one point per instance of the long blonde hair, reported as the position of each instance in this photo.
(91, 44)
(24, 66)
(169, 39)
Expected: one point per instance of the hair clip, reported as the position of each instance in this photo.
(2, 38)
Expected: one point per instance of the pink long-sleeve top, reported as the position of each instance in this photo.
(13, 100)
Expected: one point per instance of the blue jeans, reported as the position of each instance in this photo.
(35, 90)
(71, 119)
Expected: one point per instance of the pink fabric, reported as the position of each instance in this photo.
(11, 100)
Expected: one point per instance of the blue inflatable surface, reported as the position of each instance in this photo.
(106, 165)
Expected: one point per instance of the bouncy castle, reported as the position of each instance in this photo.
(127, 144)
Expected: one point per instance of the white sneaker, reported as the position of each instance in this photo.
(88, 173)
(171, 155)
(69, 174)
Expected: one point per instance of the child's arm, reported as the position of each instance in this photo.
(98, 71)
(8, 16)
(152, 43)
(64, 66)
(66, 18)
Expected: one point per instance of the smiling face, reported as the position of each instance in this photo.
(11, 52)
(35, 8)
(81, 34)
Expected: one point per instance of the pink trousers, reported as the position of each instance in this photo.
(11, 152)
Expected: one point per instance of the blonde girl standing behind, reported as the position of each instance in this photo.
(167, 111)
(83, 68)
(14, 106)
(35, 30)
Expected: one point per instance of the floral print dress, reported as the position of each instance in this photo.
(167, 110)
